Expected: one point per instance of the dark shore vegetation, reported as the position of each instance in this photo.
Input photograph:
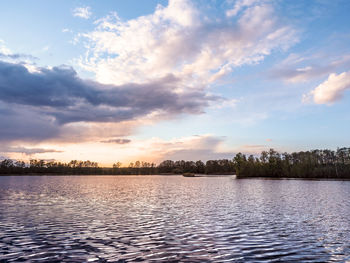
(308, 164)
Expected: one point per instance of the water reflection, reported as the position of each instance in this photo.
(172, 219)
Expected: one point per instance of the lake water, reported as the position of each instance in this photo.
(173, 219)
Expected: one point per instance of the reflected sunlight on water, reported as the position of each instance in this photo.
(173, 219)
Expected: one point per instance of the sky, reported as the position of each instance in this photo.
(114, 80)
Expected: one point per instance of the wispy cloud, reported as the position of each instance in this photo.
(239, 5)
(4, 49)
(330, 90)
(83, 12)
(7, 54)
(27, 151)
(67, 30)
(303, 68)
(117, 141)
(17, 56)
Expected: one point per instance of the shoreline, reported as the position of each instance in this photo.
(293, 178)
(180, 175)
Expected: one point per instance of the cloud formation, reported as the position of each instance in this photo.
(26, 123)
(239, 5)
(83, 12)
(181, 40)
(3, 49)
(7, 54)
(27, 151)
(148, 68)
(117, 141)
(330, 90)
(302, 68)
(16, 56)
(59, 96)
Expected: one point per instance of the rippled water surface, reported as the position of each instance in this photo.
(173, 219)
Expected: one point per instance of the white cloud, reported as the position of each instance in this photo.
(225, 103)
(298, 68)
(177, 40)
(330, 90)
(239, 5)
(3, 49)
(83, 12)
(67, 30)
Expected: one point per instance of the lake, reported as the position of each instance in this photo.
(173, 219)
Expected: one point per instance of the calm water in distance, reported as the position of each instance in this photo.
(173, 219)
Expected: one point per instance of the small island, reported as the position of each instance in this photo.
(188, 175)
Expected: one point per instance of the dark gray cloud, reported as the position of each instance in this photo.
(117, 141)
(35, 105)
(17, 56)
(28, 151)
(23, 122)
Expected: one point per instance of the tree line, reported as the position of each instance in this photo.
(304, 164)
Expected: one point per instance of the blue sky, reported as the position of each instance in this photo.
(153, 80)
